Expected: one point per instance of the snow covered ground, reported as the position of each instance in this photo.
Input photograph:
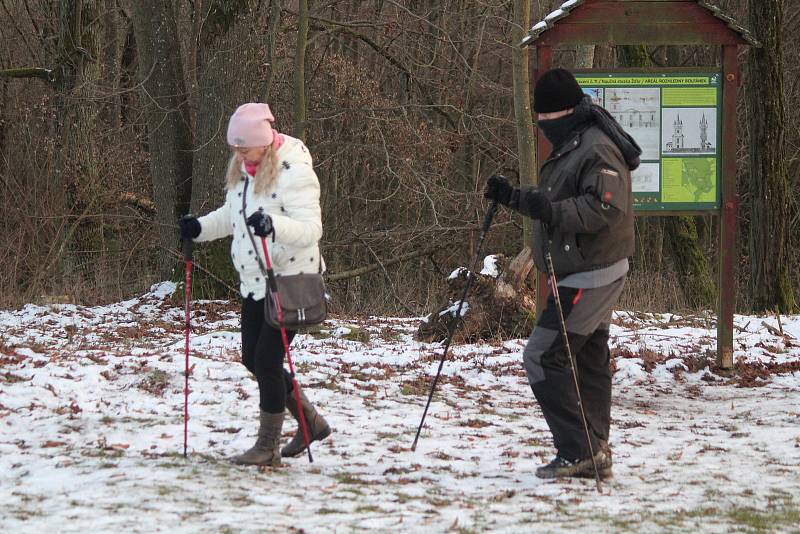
(91, 430)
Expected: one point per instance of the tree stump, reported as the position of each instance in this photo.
(501, 303)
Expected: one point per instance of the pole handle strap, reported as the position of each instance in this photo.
(188, 249)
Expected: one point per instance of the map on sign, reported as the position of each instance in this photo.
(676, 119)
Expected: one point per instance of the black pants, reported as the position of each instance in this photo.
(587, 313)
(262, 354)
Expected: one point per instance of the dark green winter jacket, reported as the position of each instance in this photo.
(589, 184)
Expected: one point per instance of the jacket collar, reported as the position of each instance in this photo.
(566, 148)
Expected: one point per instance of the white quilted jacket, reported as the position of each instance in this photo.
(293, 204)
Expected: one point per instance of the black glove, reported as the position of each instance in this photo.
(498, 188)
(189, 227)
(539, 206)
(262, 224)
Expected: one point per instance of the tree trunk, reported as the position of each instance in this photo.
(770, 198)
(169, 136)
(74, 173)
(227, 63)
(300, 71)
(584, 56)
(526, 142)
(272, 40)
(603, 56)
(113, 37)
(690, 262)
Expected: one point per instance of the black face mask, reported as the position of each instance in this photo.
(559, 131)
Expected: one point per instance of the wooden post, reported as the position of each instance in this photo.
(728, 209)
(544, 62)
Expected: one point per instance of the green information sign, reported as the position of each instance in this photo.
(677, 120)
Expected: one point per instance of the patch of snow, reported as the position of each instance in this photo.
(162, 290)
(629, 371)
(456, 273)
(554, 15)
(453, 309)
(490, 266)
(539, 26)
(341, 331)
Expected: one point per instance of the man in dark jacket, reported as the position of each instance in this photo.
(583, 215)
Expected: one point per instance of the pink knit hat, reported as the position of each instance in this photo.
(250, 126)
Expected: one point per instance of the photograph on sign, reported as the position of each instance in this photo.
(638, 110)
(689, 180)
(689, 131)
(596, 94)
(646, 178)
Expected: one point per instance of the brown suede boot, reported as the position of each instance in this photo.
(318, 428)
(266, 451)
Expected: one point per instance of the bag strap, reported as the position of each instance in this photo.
(269, 281)
(261, 266)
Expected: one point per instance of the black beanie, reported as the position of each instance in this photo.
(556, 90)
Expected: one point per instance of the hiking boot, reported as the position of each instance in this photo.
(266, 451)
(318, 428)
(560, 467)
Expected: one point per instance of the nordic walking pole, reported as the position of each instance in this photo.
(554, 288)
(487, 222)
(187, 254)
(273, 287)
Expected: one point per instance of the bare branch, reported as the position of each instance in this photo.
(382, 265)
(30, 72)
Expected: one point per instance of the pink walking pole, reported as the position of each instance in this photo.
(274, 290)
(187, 253)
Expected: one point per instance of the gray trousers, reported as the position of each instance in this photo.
(587, 313)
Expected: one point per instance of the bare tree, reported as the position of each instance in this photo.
(300, 107)
(526, 142)
(770, 192)
(168, 126)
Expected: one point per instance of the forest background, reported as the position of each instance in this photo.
(113, 115)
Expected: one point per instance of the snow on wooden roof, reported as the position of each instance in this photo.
(570, 5)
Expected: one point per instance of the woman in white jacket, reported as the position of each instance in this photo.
(271, 186)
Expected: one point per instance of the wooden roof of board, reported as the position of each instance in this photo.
(570, 5)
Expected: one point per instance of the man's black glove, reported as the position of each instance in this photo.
(188, 227)
(538, 206)
(498, 188)
(262, 224)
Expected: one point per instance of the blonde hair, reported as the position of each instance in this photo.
(266, 174)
